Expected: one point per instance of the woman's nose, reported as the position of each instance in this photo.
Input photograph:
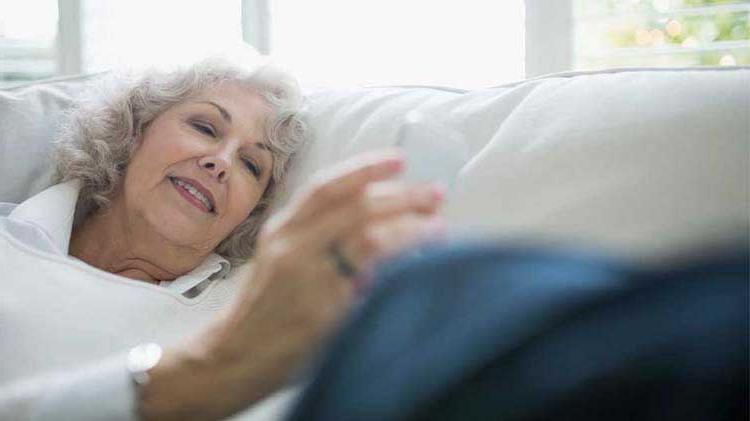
(216, 166)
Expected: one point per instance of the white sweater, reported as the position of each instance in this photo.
(65, 326)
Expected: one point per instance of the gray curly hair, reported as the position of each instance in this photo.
(98, 140)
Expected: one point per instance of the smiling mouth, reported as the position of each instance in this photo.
(193, 195)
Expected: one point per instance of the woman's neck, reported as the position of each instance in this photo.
(108, 240)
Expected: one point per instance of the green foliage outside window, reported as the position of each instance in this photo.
(664, 32)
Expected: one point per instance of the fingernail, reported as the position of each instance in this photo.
(395, 163)
(438, 192)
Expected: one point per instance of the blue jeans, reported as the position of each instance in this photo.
(479, 331)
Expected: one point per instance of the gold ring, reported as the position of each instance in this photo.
(343, 265)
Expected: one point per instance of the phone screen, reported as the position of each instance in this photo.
(434, 151)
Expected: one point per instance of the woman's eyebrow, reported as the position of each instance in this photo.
(262, 146)
(228, 117)
(224, 113)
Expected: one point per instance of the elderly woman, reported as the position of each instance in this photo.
(164, 183)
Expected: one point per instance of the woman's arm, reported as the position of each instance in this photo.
(296, 296)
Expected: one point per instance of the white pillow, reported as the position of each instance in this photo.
(639, 163)
(29, 116)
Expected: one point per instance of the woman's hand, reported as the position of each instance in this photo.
(296, 290)
(356, 208)
(296, 294)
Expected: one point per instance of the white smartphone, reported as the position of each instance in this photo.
(434, 151)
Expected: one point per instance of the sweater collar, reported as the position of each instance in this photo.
(53, 211)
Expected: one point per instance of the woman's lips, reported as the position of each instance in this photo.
(189, 197)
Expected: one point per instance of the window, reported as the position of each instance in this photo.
(28, 33)
(615, 33)
(466, 44)
(43, 38)
(137, 33)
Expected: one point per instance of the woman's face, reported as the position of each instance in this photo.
(200, 168)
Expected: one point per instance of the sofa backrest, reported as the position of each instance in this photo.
(641, 163)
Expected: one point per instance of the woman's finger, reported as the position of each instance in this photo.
(344, 182)
(381, 241)
(355, 216)
(389, 238)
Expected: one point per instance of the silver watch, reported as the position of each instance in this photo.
(141, 359)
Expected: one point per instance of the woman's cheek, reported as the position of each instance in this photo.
(182, 146)
(244, 201)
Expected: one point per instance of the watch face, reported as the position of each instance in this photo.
(141, 359)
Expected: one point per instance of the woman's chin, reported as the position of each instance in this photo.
(181, 229)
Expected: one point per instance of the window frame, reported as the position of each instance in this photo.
(69, 39)
(256, 24)
(549, 37)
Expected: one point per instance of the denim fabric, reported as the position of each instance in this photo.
(478, 331)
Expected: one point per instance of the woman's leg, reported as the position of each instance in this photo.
(478, 331)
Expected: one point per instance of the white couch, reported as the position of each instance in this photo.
(639, 163)
(642, 164)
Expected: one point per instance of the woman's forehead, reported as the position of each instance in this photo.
(235, 104)
(236, 93)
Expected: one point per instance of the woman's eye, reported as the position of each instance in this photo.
(204, 128)
(252, 167)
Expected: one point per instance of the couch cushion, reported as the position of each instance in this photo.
(29, 116)
(640, 163)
